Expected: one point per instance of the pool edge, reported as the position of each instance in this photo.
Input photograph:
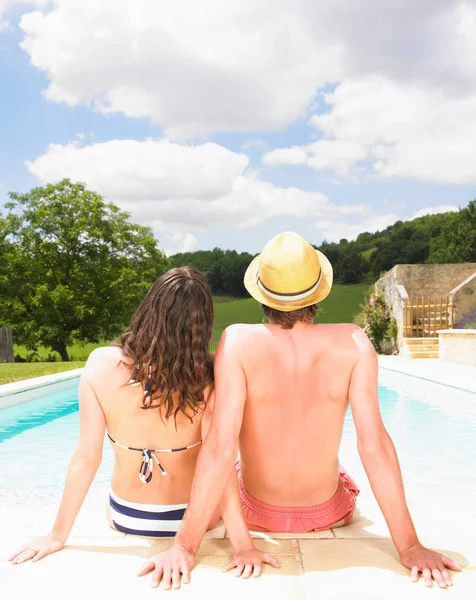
(452, 375)
(19, 392)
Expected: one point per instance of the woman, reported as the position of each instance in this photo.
(151, 394)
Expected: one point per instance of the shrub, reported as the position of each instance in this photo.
(468, 321)
(376, 320)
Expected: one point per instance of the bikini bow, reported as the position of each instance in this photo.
(147, 466)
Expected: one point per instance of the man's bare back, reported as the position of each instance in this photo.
(281, 394)
(297, 383)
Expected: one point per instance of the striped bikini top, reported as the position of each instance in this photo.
(148, 456)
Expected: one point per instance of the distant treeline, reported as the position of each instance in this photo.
(441, 238)
(224, 269)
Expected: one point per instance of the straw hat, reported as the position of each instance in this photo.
(289, 274)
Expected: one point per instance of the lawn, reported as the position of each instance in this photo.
(77, 352)
(18, 371)
(340, 307)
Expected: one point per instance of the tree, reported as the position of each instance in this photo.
(225, 269)
(73, 267)
(457, 240)
(351, 267)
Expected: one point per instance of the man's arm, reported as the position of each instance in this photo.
(247, 559)
(230, 505)
(214, 465)
(380, 462)
(220, 449)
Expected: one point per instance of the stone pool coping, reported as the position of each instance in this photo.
(357, 561)
(454, 375)
(18, 392)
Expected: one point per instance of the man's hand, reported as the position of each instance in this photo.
(248, 562)
(37, 549)
(170, 567)
(430, 564)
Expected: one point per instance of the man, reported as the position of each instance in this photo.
(282, 392)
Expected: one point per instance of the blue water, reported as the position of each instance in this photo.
(433, 428)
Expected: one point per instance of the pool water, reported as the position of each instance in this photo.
(433, 428)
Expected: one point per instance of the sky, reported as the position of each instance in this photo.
(220, 124)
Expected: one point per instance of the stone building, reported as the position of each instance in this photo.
(427, 298)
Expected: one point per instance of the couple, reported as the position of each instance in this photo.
(275, 395)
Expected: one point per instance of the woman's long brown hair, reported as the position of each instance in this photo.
(168, 342)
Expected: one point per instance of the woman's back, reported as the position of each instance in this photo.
(130, 424)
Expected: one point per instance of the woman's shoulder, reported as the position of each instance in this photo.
(105, 360)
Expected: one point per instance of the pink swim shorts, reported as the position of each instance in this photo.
(336, 512)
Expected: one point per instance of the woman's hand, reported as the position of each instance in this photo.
(37, 549)
(249, 562)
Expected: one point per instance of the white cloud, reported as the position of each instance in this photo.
(181, 242)
(333, 230)
(6, 5)
(379, 128)
(324, 155)
(182, 189)
(260, 145)
(191, 67)
(435, 210)
(246, 65)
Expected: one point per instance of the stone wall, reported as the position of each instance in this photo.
(395, 294)
(432, 280)
(465, 301)
(429, 280)
(458, 345)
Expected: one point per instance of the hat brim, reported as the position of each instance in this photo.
(323, 290)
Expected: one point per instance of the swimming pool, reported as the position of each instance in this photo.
(433, 427)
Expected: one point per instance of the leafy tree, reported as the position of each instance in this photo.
(73, 267)
(352, 267)
(224, 269)
(457, 241)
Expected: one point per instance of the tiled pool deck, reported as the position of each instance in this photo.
(357, 561)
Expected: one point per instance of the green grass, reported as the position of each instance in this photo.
(18, 371)
(222, 299)
(368, 253)
(340, 306)
(343, 303)
(76, 352)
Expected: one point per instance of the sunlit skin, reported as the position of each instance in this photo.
(281, 399)
(106, 402)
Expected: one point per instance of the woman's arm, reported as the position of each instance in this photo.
(82, 469)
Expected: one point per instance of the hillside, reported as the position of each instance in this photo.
(339, 307)
(441, 238)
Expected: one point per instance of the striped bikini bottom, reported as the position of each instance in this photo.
(150, 520)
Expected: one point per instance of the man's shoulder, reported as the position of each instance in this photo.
(340, 328)
(345, 335)
(349, 335)
(240, 334)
